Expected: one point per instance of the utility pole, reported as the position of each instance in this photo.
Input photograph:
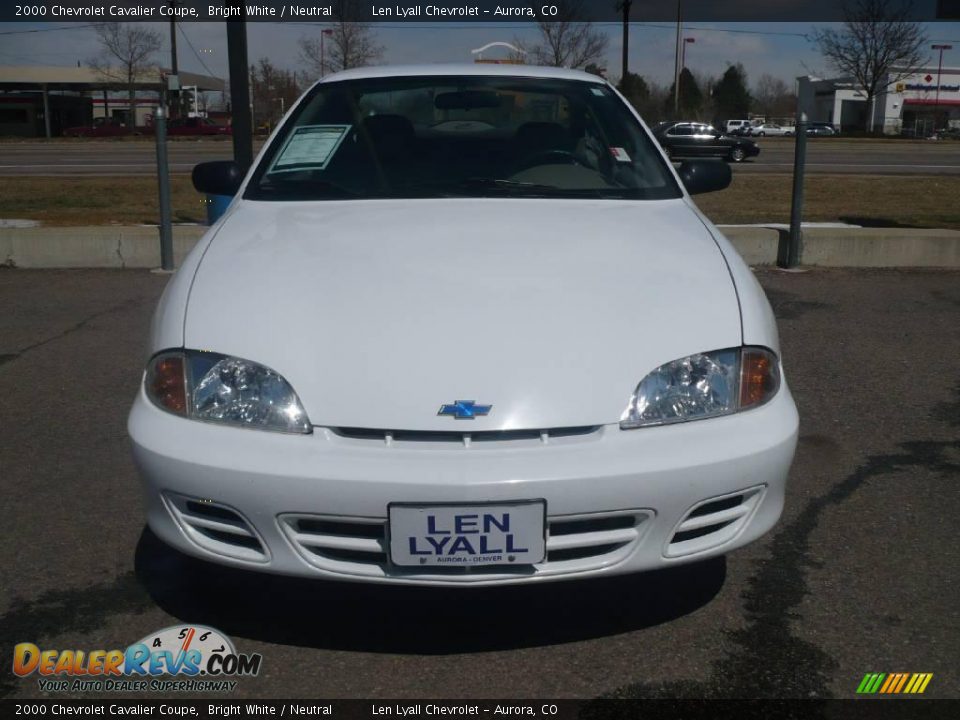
(174, 91)
(240, 89)
(676, 62)
(624, 7)
(936, 105)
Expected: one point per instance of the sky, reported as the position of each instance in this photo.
(779, 49)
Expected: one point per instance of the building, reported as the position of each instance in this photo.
(911, 105)
(43, 101)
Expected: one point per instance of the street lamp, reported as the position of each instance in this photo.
(936, 103)
(323, 54)
(679, 80)
(683, 52)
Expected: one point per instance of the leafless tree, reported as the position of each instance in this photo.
(127, 51)
(273, 90)
(772, 98)
(878, 45)
(568, 40)
(347, 43)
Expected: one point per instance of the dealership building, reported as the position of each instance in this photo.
(909, 105)
(43, 101)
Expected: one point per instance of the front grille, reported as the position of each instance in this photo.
(216, 528)
(358, 546)
(713, 522)
(394, 438)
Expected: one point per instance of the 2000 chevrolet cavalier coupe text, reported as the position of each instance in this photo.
(462, 325)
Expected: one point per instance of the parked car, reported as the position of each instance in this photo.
(736, 127)
(196, 126)
(771, 129)
(105, 127)
(948, 133)
(462, 326)
(690, 139)
(821, 129)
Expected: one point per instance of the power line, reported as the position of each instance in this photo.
(53, 29)
(195, 53)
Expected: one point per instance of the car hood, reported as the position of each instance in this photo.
(379, 311)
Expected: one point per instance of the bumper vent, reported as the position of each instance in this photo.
(713, 522)
(394, 438)
(358, 546)
(217, 528)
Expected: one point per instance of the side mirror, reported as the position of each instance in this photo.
(219, 177)
(703, 176)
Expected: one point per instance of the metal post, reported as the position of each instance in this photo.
(46, 110)
(240, 90)
(163, 182)
(789, 256)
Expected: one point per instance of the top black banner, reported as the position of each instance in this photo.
(456, 11)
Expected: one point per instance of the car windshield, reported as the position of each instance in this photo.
(454, 136)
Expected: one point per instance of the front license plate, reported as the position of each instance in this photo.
(467, 535)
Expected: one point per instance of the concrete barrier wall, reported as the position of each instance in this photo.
(120, 246)
(139, 246)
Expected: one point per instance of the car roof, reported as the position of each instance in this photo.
(461, 69)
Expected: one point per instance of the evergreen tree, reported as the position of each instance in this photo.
(730, 94)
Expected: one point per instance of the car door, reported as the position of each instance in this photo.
(680, 140)
(709, 141)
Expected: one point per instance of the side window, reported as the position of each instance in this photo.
(680, 130)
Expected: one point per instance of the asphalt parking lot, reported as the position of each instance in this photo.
(93, 157)
(861, 575)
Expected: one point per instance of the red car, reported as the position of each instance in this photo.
(196, 126)
(105, 127)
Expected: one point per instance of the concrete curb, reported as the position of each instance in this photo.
(121, 246)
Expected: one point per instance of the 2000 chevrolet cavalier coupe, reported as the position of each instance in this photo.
(462, 326)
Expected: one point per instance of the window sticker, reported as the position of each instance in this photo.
(599, 92)
(309, 147)
(619, 154)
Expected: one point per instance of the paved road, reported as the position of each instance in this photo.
(860, 575)
(826, 155)
(104, 157)
(861, 157)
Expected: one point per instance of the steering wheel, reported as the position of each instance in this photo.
(552, 157)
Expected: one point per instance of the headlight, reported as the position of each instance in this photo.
(217, 388)
(704, 385)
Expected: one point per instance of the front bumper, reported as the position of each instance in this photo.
(316, 505)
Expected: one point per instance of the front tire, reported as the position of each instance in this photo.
(737, 154)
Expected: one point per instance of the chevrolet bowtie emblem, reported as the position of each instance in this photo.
(464, 409)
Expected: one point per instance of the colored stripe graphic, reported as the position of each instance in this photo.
(894, 683)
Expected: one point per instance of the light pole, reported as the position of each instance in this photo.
(323, 54)
(683, 52)
(936, 103)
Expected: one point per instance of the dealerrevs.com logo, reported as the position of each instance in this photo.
(184, 658)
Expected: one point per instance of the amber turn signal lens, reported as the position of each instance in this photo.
(759, 377)
(166, 384)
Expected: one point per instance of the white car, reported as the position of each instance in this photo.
(772, 129)
(462, 325)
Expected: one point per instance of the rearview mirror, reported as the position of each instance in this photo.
(219, 177)
(467, 100)
(703, 176)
